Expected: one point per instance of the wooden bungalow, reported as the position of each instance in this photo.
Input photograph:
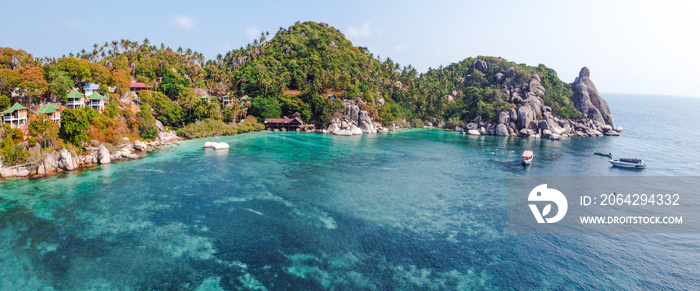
(51, 112)
(16, 115)
(284, 122)
(97, 102)
(75, 100)
(206, 98)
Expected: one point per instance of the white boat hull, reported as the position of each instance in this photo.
(527, 162)
(620, 164)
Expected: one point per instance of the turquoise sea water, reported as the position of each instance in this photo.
(409, 210)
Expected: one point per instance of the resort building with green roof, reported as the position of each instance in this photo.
(75, 100)
(16, 115)
(97, 101)
(227, 99)
(51, 112)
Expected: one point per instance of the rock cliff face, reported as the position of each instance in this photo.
(589, 102)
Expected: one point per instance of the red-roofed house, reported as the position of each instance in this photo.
(138, 86)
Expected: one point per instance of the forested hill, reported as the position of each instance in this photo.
(300, 66)
(308, 67)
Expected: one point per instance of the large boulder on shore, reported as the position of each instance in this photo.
(168, 137)
(103, 155)
(503, 117)
(351, 111)
(66, 161)
(355, 130)
(589, 102)
(525, 115)
(365, 123)
(502, 130)
(50, 164)
(342, 132)
(473, 132)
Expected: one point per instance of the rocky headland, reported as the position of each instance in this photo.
(531, 118)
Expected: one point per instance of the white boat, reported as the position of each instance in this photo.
(628, 163)
(527, 157)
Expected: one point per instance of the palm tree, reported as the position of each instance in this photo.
(115, 48)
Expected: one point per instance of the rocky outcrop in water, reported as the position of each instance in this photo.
(588, 100)
(353, 122)
(216, 145)
(531, 118)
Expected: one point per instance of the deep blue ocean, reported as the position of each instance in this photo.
(408, 210)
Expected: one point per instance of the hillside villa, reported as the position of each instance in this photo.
(16, 115)
(75, 100)
(97, 101)
(244, 100)
(227, 99)
(51, 112)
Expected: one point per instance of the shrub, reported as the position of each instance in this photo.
(111, 109)
(75, 123)
(43, 131)
(12, 153)
(146, 123)
(453, 122)
(207, 127)
(5, 102)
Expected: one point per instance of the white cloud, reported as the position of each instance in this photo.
(182, 21)
(400, 47)
(440, 53)
(364, 31)
(252, 32)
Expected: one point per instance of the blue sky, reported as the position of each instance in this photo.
(641, 47)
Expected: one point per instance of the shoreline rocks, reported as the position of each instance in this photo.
(354, 122)
(95, 154)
